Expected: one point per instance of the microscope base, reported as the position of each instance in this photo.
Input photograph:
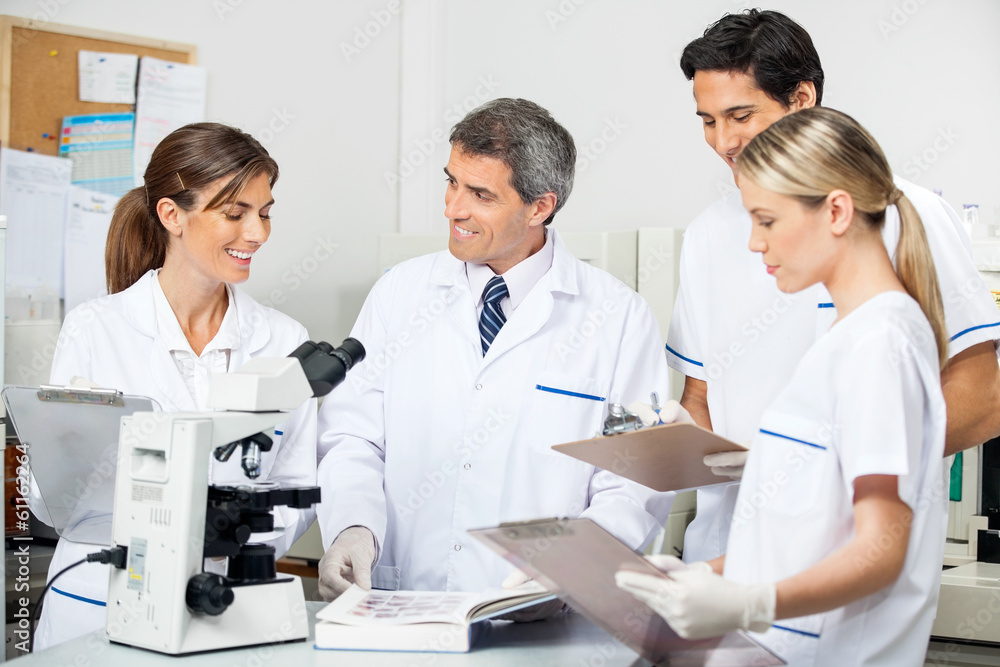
(272, 613)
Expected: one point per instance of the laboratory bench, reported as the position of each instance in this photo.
(569, 639)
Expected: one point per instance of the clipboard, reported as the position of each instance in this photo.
(579, 559)
(663, 458)
(71, 436)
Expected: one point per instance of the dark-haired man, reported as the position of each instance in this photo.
(734, 335)
(480, 358)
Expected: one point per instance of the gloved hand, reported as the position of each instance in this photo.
(699, 604)
(645, 412)
(673, 413)
(83, 383)
(670, 413)
(727, 464)
(538, 612)
(668, 563)
(348, 560)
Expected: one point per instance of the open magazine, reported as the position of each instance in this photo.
(439, 621)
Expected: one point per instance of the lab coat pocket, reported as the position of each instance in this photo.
(795, 640)
(385, 578)
(793, 453)
(565, 409)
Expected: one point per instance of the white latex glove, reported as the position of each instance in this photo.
(645, 412)
(727, 464)
(673, 413)
(83, 383)
(517, 577)
(348, 560)
(539, 612)
(668, 563)
(699, 604)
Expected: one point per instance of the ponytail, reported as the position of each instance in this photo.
(811, 153)
(915, 269)
(137, 242)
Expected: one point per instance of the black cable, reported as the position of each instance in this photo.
(38, 605)
(115, 556)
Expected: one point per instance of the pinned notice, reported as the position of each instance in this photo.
(108, 77)
(170, 95)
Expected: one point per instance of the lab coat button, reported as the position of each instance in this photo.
(458, 547)
(479, 387)
(467, 466)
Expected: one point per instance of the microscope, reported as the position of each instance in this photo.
(168, 519)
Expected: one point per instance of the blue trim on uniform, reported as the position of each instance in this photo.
(276, 432)
(788, 437)
(568, 393)
(681, 356)
(970, 329)
(80, 598)
(825, 305)
(798, 632)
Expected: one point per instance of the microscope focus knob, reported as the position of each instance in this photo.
(208, 594)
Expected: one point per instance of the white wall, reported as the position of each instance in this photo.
(911, 70)
(274, 65)
(936, 72)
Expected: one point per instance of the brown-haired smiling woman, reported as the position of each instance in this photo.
(176, 250)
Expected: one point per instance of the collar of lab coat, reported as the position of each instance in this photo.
(137, 304)
(449, 272)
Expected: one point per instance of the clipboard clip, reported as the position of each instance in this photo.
(534, 528)
(54, 394)
(620, 420)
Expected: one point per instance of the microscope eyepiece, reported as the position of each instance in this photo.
(326, 366)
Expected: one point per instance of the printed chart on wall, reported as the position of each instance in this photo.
(100, 148)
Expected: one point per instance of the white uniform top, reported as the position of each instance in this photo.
(865, 400)
(734, 329)
(427, 438)
(114, 341)
(196, 369)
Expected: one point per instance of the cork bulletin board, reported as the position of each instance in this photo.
(39, 76)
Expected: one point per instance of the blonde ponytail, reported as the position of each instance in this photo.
(809, 154)
(915, 268)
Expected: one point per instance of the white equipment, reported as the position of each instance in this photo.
(169, 520)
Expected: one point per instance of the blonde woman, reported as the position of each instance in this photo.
(835, 548)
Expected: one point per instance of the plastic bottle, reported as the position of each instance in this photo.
(17, 305)
(44, 304)
(970, 219)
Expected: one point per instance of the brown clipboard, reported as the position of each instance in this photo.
(663, 458)
(578, 559)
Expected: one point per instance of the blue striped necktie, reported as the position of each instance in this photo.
(492, 318)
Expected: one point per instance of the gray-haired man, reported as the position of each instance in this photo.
(480, 358)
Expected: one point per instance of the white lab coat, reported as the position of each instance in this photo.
(427, 438)
(865, 400)
(734, 329)
(113, 341)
